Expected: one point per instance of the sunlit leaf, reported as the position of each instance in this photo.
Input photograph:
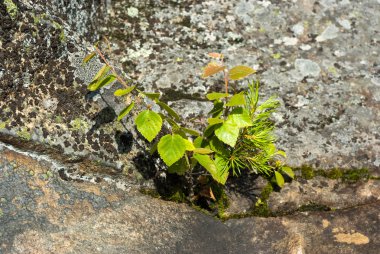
(121, 92)
(239, 72)
(125, 111)
(203, 151)
(149, 124)
(213, 121)
(279, 179)
(228, 133)
(210, 166)
(189, 145)
(216, 96)
(212, 68)
(171, 148)
(89, 57)
(217, 109)
(236, 100)
(104, 70)
(101, 83)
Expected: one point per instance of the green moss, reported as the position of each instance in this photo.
(307, 172)
(11, 8)
(177, 196)
(150, 192)
(354, 175)
(331, 174)
(24, 134)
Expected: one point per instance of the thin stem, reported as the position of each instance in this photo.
(112, 68)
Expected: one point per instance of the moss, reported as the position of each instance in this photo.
(331, 174)
(177, 196)
(1, 213)
(11, 8)
(313, 207)
(150, 192)
(57, 26)
(24, 134)
(354, 175)
(307, 172)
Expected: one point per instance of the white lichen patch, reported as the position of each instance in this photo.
(133, 12)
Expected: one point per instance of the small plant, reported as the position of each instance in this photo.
(239, 134)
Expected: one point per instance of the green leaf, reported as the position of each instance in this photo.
(125, 111)
(152, 96)
(153, 148)
(200, 142)
(171, 148)
(211, 167)
(239, 72)
(222, 166)
(228, 133)
(169, 110)
(210, 129)
(104, 70)
(288, 171)
(190, 131)
(179, 167)
(89, 57)
(216, 96)
(219, 147)
(279, 179)
(236, 100)
(101, 83)
(203, 151)
(189, 145)
(239, 117)
(217, 109)
(121, 92)
(149, 124)
(213, 121)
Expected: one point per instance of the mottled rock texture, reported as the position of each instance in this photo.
(45, 214)
(73, 185)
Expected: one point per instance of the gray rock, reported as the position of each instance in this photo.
(46, 214)
(307, 67)
(331, 32)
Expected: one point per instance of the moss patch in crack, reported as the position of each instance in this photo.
(3, 125)
(11, 8)
(346, 175)
(313, 207)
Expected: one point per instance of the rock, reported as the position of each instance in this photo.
(331, 32)
(307, 67)
(46, 214)
(298, 29)
(322, 193)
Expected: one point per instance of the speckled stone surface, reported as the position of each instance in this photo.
(320, 57)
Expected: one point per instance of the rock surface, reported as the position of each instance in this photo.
(72, 183)
(320, 57)
(45, 214)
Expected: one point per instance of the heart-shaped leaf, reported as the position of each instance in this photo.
(240, 71)
(236, 100)
(228, 133)
(149, 124)
(171, 148)
(212, 68)
(279, 179)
